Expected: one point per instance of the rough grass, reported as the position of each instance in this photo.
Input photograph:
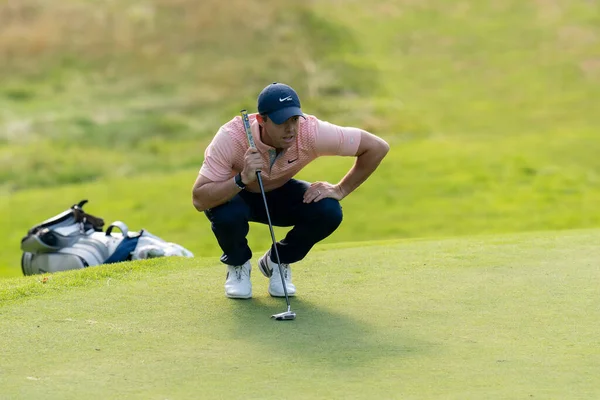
(143, 77)
(461, 190)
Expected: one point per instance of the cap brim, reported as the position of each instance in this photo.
(280, 116)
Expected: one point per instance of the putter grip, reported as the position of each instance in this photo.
(247, 128)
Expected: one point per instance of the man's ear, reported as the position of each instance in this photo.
(260, 119)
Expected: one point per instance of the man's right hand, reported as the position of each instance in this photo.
(252, 162)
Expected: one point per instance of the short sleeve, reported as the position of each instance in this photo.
(217, 165)
(336, 140)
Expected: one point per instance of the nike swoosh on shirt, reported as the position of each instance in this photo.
(285, 99)
(291, 161)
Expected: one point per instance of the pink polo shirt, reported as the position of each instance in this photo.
(224, 156)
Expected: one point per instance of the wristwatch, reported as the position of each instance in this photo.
(238, 181)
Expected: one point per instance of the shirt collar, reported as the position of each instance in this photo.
(260, 145)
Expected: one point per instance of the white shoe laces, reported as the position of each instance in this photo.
(239, 272)
(285, 268)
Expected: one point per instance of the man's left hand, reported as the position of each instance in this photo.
(321, 190)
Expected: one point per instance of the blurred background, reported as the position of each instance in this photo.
(492, 109)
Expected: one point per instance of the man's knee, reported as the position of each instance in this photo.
(329, 212)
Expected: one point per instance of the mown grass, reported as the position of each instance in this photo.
(495, 317)
(489, 108)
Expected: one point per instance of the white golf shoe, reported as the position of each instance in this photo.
(271, 270)
(237, 284)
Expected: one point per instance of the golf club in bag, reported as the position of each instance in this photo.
(287, 315)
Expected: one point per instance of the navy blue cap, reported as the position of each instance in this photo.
(279, 102)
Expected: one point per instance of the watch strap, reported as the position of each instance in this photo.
(238, 181)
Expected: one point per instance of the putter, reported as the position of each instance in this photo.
(287, 315)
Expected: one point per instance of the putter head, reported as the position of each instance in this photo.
(284, 316)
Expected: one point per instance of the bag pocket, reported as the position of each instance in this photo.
(33, 264)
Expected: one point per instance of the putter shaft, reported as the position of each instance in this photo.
(288, 315)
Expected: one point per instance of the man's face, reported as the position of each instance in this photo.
(280, 136)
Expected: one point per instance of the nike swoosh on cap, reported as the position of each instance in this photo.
(285, 99)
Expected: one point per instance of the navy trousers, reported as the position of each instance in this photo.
(312, 222)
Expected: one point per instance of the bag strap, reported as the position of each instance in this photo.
(120, 225)
(123, 250)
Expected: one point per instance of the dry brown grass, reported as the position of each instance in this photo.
(146, 31)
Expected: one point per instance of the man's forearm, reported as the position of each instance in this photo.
(364, 166)
(213, 194)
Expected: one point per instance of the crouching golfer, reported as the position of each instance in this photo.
(286, 141)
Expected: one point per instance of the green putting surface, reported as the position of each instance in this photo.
(493, 317)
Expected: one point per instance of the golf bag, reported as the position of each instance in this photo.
(74, 239)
